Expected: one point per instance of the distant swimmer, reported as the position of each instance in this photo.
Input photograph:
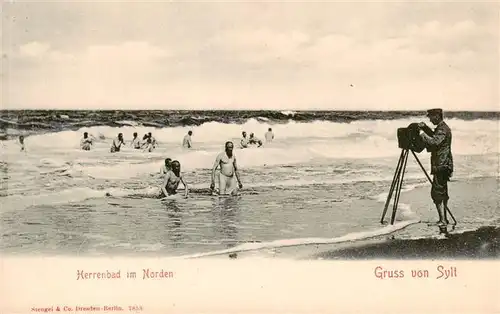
(21, 143)
(229, 174)
(117, 143)
(148, 142)
(269, 135)
(172, 179)
(148, 146)
(244, 140)
(136, 142)
(153, 140)
(166, 166)
(186, 142)
(254, 140)
(86, 141)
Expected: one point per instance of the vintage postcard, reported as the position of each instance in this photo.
(249, 157)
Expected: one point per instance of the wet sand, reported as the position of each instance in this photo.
(479, 244)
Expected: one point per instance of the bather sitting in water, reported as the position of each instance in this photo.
(166, 166)
(244, 140)
(136, 142)
(254, 140)
(85, 142)
(117, 143)
(148, 146)
(153, 140)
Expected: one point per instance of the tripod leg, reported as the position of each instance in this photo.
(452, 217)
(422, 167)
(398, 190)
(393, 184)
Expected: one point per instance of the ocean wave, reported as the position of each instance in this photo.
(44, 120)
(368, 138)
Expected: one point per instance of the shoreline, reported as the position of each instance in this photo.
(482, 243)
(471, 239)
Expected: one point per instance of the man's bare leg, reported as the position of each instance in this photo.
(442, 219)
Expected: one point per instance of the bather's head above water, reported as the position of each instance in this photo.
(176, 167)
(168, 162)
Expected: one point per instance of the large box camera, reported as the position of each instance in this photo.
(408, 138)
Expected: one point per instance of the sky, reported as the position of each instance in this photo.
(250, 55)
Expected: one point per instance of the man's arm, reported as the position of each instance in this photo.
(436, 139)
(164, 185)
(237, 173)
(216, 164)
(186, 190)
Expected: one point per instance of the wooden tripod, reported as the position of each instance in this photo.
(397, 184)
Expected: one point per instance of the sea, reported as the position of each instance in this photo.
(323, 179)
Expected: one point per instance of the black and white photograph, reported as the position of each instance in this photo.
(231, 131)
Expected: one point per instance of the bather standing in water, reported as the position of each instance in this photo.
(229, 177)
(187, 142)
(269, 135)
(21, 143)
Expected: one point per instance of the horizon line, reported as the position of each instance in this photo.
(253, 109)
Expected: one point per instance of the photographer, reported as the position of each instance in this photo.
(438, 143)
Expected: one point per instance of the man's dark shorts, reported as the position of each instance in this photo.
(439, 191)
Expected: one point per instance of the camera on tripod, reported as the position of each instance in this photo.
(409, 138)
